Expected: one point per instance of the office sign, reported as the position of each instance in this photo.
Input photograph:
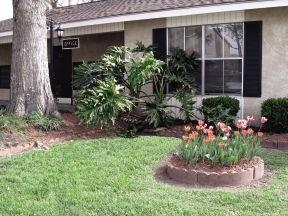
(71, 43)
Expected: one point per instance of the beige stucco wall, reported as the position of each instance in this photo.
(142, 31)
(274, 56)
(93, 46)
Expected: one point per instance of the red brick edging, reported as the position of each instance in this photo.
(213, 179)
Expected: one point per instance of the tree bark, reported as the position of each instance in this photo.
(30, 83)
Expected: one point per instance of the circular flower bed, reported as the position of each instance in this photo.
(218, 156)
(202, 175)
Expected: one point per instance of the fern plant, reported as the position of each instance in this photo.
(133, 69)
(102, 104)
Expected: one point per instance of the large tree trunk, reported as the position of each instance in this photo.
(30, 84)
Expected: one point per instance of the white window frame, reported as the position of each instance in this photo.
(203, 58)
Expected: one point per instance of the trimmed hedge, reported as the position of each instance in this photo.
(276, 111)
(222, 108)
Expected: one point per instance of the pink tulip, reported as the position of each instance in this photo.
(218, 124)
(244, 132)
(260, 134)
(263, 120)
(228, 129)
(250, 118)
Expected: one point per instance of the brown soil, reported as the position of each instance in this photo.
(34, 139)
(11, 144)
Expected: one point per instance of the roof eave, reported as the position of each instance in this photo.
(176, 12)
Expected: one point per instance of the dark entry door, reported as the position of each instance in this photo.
(62, 84)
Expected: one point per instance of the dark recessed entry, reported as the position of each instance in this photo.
(62, 85)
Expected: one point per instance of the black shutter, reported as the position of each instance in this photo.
(160, 42)
(252, 59)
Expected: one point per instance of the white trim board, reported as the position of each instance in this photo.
(182, 12)
(176, 12)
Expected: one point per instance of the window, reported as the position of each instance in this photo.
(190, 40)
(213, 41)
(193, 40)
(175, 38)
(5, 77)
(221, 57)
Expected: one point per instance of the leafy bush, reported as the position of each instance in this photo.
(103, 103)
(222, 145)
(220, 109)
(44, 123)
(133, 72)
(276, 110)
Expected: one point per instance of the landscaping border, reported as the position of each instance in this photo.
(271, 143)
(212, 179)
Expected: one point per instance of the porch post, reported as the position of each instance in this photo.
(51, 25)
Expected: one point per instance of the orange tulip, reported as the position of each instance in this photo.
(250, 131)
(185, 138)
(187, 128)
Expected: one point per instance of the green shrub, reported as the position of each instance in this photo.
(220, 109)
(102, 104)
(133, 69)
(44, 123)
(276, 111)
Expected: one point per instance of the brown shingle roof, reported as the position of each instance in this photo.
(108, 8)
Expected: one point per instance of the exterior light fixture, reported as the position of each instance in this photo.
(59, 31)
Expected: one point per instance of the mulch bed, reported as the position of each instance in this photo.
(11, 144)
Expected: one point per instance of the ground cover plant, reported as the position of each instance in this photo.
(15, 124)
(116, 177)
(44, 123)
(221, 144)
(15, 130)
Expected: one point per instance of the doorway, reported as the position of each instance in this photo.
(62, 85)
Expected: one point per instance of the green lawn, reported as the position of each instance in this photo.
(115, 177)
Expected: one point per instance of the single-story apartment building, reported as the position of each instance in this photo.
(242, 44)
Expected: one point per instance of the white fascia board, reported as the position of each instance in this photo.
(174, 13)
(7, 33)
(181, 12)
